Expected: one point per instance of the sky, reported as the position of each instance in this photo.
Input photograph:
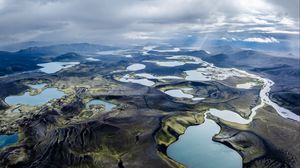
(132, 22)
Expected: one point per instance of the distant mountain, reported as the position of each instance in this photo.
(221, 49)
(197, 53)
(65, 48)
(27, 59)
(71, 56)
(249, 59)
(13, 62)
(18, 46)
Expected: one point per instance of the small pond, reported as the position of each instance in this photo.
(108, 106)
(136, 67)
(6, 140)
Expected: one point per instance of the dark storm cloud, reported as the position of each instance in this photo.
(290, 7)
(119, 21)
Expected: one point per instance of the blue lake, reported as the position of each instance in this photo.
(108, 106)
(39, 99)
(6, 140)
(52, 67)
(195, 149)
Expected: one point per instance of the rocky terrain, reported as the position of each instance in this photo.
(136, 133)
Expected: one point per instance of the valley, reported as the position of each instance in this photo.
(121, 111)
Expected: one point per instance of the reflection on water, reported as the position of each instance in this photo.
(195, 149)
(144, 82)
(39, 99)
(136, 67)
(178, 93)
(6, 140)
(52, 67)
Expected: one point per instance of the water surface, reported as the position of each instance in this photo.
(167, 63)
(178, 93)
(145, 82)
(195, 149)
(230, 116)
(6, 140)
(247, 85)
(150, 76)
(136, 67)
(92, 59)
(39, 99)
(52, 67)
(108, 106)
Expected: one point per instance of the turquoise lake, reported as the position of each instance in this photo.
(6, 140)
(196, 149)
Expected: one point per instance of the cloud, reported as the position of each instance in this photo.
(125, 22)
(261, 40)
(252, 39)
(141, 36)
(290, 8)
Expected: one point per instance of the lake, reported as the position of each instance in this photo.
(145, 82)
(52, 67)
(136, 67)
(6, 140)
(195, 148)
(108, 106)
(39, 99)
